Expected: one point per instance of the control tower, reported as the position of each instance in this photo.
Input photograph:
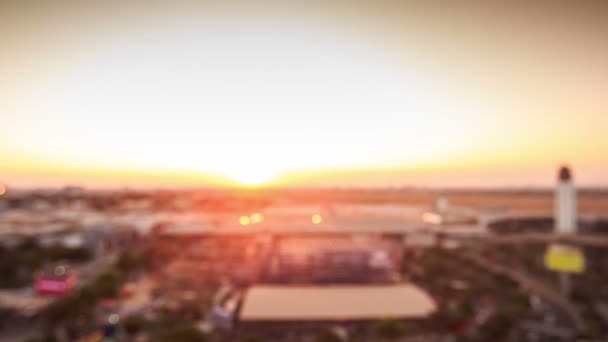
(565, 203)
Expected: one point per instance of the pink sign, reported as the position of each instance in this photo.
(48, 285)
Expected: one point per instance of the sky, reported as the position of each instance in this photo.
(361, 93)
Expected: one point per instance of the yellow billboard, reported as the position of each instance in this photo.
(562, 258)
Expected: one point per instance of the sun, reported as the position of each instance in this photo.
(251, 176)
(250, 168)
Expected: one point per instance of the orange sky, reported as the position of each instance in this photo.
(371, 93)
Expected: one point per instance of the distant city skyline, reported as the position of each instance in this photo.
(372, 94)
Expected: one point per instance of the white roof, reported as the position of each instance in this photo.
(336, 302)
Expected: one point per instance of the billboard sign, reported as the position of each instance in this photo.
(51, 285)
(563, 258)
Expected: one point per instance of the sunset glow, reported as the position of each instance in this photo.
(278, 98)
(250, 175)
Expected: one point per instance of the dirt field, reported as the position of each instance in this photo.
(589, 201)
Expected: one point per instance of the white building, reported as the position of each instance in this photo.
(565, 203)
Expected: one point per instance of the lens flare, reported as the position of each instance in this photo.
(244, 220)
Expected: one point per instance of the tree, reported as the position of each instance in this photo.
(133, 324)
(389, 329)
(192, 310)
(496, 326)
(459, 311)
(327, 335)
(253, 338)
(129, 261)
(181, 334)
(58, 252)
(28, 244)
(106, 284)
(593, 321)
(46, 338)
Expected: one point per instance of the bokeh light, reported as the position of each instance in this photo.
(244, 220)
(257, 218)
(113, 318)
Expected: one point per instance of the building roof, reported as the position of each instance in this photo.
(310, 245)
(339, 302)
(330, 226)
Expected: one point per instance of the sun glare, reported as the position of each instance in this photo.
(250, 177)
(244, 220)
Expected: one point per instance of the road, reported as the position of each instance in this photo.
(22, 329)
(88, 271)
(533, 285)
(592, 240)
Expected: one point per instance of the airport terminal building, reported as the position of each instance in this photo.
(272, 310)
